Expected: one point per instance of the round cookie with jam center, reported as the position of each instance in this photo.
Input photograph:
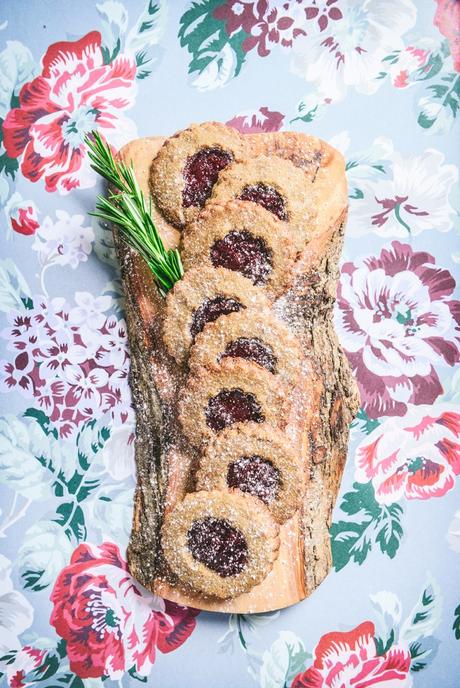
(258, 460)
(220, 543)
(278, 186)
(187, 166)
(202, 296)
(245, 238)
(255, 335)
(237, 392)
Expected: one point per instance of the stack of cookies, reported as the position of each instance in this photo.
(246, 214)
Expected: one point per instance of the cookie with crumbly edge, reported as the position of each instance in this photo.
(200, 286)
(281, 354)
(237, 221)
(246, 442)
(244, 514)
(306, 152)
(238, 391)
(167, 181)
(292, 193)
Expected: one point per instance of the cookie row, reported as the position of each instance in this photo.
(239, 253)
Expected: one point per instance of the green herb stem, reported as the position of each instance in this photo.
(128, 210)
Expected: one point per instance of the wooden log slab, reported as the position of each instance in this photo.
(318, 423)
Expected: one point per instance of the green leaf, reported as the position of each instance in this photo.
(356, 194)
(350, 541)
(365, 423)
(438, 90)
(422, 653)
(205, 37)
(43, 421)
(9, 165)
(109, 56)
(381, 647)
(72, 519)
(361, 499)
(456, 625)
(425, 615)
(31, 579)
(390, 532)
(132, 672)
(424, 121)
(28, 303)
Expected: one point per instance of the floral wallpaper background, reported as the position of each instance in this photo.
(379, 79)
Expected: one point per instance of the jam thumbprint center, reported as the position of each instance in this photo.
(210, 310)
(243, 252)
(252, 350)
(218, 545)
(232, 406)
(200, 174)
(266, 196)
(255, 475)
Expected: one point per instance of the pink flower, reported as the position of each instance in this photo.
(255, 121)
(75, 93)
(417, 456)
(112, 624)
(397, 321)
(447, 19)
(350, 659)
(22, 671)
(410, 60)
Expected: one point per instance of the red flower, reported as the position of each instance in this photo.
(328, 12)
(416, 456)
(109, 621)
(75, 93)
(22, 214)
(345, 660)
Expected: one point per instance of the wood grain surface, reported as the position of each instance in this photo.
(324, 401)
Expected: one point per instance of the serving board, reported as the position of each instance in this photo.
(318, 424)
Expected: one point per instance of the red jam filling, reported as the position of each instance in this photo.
(267, 197)
(255, 475)
(243, 252)
(232, 406)
(252, 350)
(210, 310)
(200, 174)
(218, 545)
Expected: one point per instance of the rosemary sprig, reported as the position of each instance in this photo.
(127, 209)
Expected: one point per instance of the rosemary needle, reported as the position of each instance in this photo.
(128, 210)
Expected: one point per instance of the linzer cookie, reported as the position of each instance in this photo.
(245, 238)
(242, 429)
(255, 335)
(187, 166)
(257, 459)
(220, 543)
(237, 392)
(278, 186)
(202, 296)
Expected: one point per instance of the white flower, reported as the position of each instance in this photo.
(411, 198)
(453, 533)
(118, 452)
(114, 344)
(16, 68)
(85, 387)
(349, 52)
(65, 241)
(16, 613)
(90, 310)
(110, 510)
(20, 444)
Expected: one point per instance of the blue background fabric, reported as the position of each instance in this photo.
(393, 598)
